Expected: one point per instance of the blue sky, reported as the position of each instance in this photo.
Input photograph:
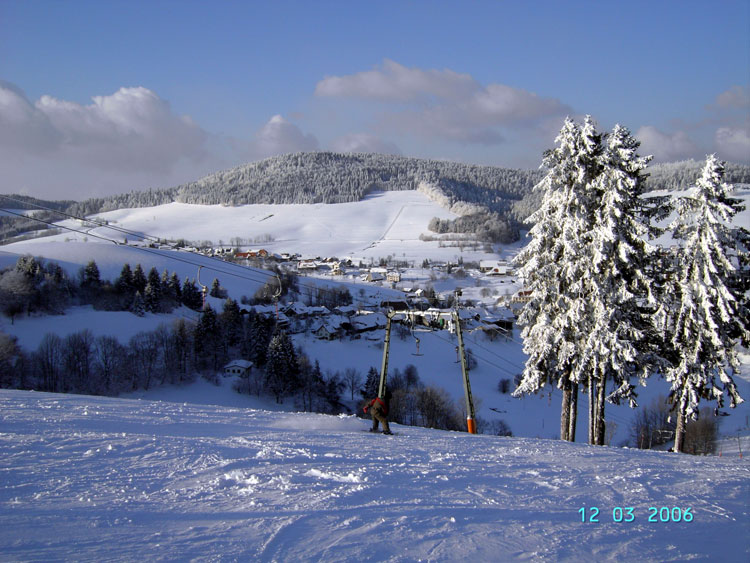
(108, 96)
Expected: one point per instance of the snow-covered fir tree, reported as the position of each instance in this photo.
(588, 318)
(281, 365)
(702, 323)
(138, 307)
(617, 285)
(139, 279)
(124, 283)
(554, 265)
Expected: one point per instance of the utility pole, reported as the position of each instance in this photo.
(386, 350)
(471, 424)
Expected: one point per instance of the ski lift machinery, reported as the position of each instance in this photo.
(471, 425)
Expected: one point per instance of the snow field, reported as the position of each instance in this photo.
(90, 478)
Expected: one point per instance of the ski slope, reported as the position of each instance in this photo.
(101, 479)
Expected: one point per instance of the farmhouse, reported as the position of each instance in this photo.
(393, 277)
(238, 367)
(495, 267)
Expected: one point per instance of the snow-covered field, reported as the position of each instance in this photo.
(100, 479)
(382, 224)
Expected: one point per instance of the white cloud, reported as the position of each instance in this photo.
(395, 82)
(666, 147)
(364, 142)
(127, 140)
(130, 129)
(23, 128)
(733, 143)
(735, 97)
(279, 136)
(444, 103)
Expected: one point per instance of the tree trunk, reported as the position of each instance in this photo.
(573, 412)
(599, 415)
(679, 433)
(592, 422)
(565, 412)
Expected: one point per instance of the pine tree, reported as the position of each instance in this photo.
(216, 290)
(167, 290)
(91, 277)
(555, 266)
(231, 321)
(703, 317)
(174, 287)
(370, 389)
(154, 280)
(617, 287)
(124, 283)
(208, 344)
(281, 366)
(138, 307)
(139, 279)
(151, 298)
(191, 297)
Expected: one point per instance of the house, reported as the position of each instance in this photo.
(238, 367)
(393, 277)
(495, 267)
(373, 277)
(307, 265)
(368, 322)
(395, 304)
(522, 296)
(324, 332)
(297, 309)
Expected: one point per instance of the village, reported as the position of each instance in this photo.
(416, 308)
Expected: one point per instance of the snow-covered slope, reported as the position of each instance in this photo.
(383, 224)
(98, 479)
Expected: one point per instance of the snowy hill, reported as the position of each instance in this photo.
(87, 478)
(325, 177)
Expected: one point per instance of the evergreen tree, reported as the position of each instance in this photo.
(154, 281)
(124, 283)
(616, 285)
(139, 279)
(167, 290)
(138, 307)
(260, 330)
(91, 279)
(208, 344)
(151, 298)
(231, 321)
(216, 290)
(702, 318)
(370, 390)
(191, 297)
(175, 290)
(281, 366)
(555, 265)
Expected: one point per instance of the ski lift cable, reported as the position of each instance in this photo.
(146, 236)
(84, 219)
(139, 248)
(55, 225)
(479, 357)
(170, 257)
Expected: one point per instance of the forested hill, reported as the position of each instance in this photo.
(325, 177)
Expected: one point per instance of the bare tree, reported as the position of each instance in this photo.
(353, 381)
(48, 359)
(144, 348)
(109, 362)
